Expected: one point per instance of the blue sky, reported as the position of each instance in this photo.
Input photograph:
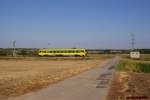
(75, 23)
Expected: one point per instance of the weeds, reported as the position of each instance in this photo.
(132, 66)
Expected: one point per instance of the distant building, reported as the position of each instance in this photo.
(135, 54)
(116, 51)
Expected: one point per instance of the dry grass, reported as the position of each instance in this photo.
(132, 79)
(19, 76)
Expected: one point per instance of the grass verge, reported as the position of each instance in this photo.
(131, 80)
(133, 66)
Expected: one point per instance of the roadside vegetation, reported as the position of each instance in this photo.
(131, 80)
(133, 66)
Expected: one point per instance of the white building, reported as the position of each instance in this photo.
(135, 54)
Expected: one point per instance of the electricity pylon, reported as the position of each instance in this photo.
(14, 48)
(133, 41)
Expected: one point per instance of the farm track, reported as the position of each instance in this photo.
(18, 77)
(90, 85)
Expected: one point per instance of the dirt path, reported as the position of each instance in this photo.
(90, 85)
(18, 77)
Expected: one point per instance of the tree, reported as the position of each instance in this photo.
(23, 52)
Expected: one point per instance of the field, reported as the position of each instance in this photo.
(131, 80)
(19, 76)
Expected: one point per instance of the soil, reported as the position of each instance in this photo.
(130, 86)
(18, 77)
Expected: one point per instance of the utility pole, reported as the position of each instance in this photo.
(134, 54)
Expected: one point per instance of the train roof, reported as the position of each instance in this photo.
(62, 49)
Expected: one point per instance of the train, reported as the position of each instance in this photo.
(62, 52)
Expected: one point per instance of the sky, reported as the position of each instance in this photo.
(102, 24)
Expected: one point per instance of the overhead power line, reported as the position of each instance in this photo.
(133, 41)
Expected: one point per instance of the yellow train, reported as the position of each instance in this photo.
(62, 52)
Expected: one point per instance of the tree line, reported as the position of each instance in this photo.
(19, 51)
(34, 51)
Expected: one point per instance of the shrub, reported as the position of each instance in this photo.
(132, 66)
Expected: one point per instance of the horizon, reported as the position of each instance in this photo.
(98, 24)
(82, 48)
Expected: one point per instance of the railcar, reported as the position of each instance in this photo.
(62, 52)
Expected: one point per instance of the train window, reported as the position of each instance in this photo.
(70, 51)
(77, 51)
(60, 51)
(43, 51)
(65, 51)
(49, 51)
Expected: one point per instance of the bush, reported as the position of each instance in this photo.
(132, 66)
(143, 67)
